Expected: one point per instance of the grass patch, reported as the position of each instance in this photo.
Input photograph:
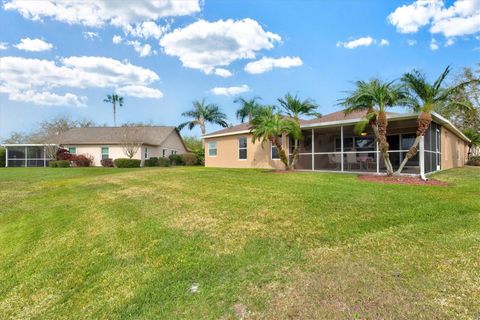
(106, 243)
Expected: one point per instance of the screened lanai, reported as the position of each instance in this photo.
(339, 148)
(28, 155)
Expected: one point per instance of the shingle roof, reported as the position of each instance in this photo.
(115, 135)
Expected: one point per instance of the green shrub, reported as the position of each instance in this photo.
(189, 159)
(176, 160)
(163, 162)
(152, 162)
(59, 164)
(108, 163)
(2, 157)
(474, 161)
(127, 163)
(200, 154)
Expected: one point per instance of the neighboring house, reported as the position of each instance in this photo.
(102, 143)
(330, 144)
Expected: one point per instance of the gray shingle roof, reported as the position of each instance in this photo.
(115, 135)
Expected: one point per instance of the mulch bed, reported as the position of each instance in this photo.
(402, 180)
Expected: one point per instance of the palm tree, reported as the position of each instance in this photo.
(270, 125)
(425, 98)
(203, 113)
(294, 107)
(374, 97)
(247, 109)
(474, 136)
(114, 99)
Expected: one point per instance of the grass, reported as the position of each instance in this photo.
(110, 243)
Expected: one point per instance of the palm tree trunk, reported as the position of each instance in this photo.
(423, 123)
(281, 152)
(203, 131)
(380, 130)
(114, 114)
(295, 154)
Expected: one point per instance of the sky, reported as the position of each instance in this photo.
(62, 58)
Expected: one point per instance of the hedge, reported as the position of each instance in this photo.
(108, 163)
(2, 157)
(474, 161)
(176, 160)
(189, 159)
(59, 164)
(127, 163)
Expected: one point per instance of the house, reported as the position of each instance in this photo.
(331, 144)
(102, 143)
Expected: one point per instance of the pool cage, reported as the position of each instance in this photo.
(29, 155)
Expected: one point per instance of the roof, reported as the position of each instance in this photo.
(339, 118)
(153, 135)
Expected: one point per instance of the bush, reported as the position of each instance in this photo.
(63, 154)
(2, 157)
(108, 163)
(59, 164)
(176, 160)
(152, 162)
(82, 160)
(189, 159)
(163, 162)
(127, 163)
(200, 154)
(474, 161)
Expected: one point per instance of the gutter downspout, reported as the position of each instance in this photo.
(422, 159)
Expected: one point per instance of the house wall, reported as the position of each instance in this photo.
(115, 151)
(454, 150)
(227, 153)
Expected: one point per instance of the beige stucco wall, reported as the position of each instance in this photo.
(227, 154)
(115, 151)
(454, 150)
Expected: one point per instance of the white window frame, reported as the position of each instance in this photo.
(75, 148)
(164, 153)
(145, 153)
(209, 148)
(271, 151)
(242, 148)
(101, 152)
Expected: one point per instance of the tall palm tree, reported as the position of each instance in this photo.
(424, 98)
(474, 136)
(294, 107)
(270, 125)
(247, 109)
(114, 99)
(203, 113)
(375, 96)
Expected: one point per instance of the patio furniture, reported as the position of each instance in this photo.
(365, 161)
(335, 159)
(352, 161)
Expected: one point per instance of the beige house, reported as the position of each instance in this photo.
(331, 144)
(102, 143)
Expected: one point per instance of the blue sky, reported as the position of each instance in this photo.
(169, 53)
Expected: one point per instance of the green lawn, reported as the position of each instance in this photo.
(112, 243)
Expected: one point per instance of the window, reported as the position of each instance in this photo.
(105, 153)
(164, 153)
(274, 154)
(173, 152)
(212, 149)
(146, 153)
(242, 148)
(72, 150)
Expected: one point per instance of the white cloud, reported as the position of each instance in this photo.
(434, 45)
(459, 19)
(140, 92)
(384, 42)
(144, 50)
(207, 45)
(25, 79)
(117, 39)
(35, 45)
(223, 72)
(449, 42)
(229, 91)
(90, 35)
(147, 29)
(267, 64)
(411, 42)
(3, 46)
(97, 13)
(360, 42)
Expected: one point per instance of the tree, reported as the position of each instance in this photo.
(270, 125)
(203, 113)
(114, 99)
(131, 140)
(193, 143)
(375, 96)
(424, 98)
(474, 144)
(294, 107)
(248, 108)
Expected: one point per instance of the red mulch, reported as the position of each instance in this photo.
(402, 180)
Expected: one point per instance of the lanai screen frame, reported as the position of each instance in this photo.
(45, 158)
